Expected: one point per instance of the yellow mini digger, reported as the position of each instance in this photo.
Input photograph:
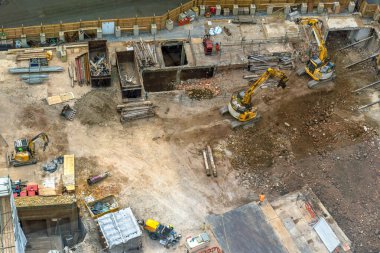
(24, 153)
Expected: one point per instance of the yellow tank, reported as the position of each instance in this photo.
(151, 225)
(22, 156)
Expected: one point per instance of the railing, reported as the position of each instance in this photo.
(144, 23)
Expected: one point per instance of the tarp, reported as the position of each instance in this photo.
(120, 228)
(245, 230)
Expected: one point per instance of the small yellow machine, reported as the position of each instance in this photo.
(166, 234)
(241, 106)
(319, 67)
(24, 153)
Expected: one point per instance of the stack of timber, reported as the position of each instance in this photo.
(28, 55)
(136, 110)
(145, 54)
(257, 62)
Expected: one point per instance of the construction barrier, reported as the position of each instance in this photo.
(145, 23)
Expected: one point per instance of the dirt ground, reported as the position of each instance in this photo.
(305, 137)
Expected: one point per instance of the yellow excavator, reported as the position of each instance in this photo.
(25, 153)
(241, 106)
(319, 67)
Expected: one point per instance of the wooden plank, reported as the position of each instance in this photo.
(68, 177)
(60, 98)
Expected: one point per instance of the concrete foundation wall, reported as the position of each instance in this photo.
(196, 73)
(46, 218)
(159, 80)
(165, 79)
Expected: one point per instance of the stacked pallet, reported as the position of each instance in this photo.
(257, 62)
(136, 110)
(145, 54)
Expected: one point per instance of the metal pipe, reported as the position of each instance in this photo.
(371, 104)
(353, 64)
(353, 44)
(367, 86)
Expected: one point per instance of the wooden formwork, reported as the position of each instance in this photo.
(144, 23)
(368, 10)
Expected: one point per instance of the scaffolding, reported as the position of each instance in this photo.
(12, 238)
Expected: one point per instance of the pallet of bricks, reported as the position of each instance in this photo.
(135, 110)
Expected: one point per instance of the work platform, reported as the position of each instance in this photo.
(297, 222)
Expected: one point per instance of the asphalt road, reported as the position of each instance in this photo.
(14, 13)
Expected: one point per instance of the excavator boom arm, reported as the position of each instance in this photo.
(314, 24)
(43, 136)
(267, 74)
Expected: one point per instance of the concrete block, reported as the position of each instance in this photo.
(117, 31)
(81, 34)
(287, 9)
(226, 12)
(61, 36)
(153, 29)
(202, 10)
(218, 10)
(252, 9)
(303, 8)
(63, 55)
(169, 24)
(270, 9)
(136, 31)
(99, 33)
(336, 7)
(24, 43)
(351, 7)
(235, 9)
(246, 11)
(320, 8)
(42, 38)
(3, 37)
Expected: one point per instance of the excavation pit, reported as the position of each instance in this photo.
(174, 54)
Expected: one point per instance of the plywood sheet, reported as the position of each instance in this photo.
(61, 98)
(68, 177)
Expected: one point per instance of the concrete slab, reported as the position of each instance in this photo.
(284, 29)
(298, 220)
(252, 32)
(342, 23)
(277, 225)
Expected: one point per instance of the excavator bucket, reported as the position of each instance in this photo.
(68, 112)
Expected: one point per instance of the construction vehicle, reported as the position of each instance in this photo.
(207, 45)
(25, 153)
(241, 106)
(319, 67)
(157, 231)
